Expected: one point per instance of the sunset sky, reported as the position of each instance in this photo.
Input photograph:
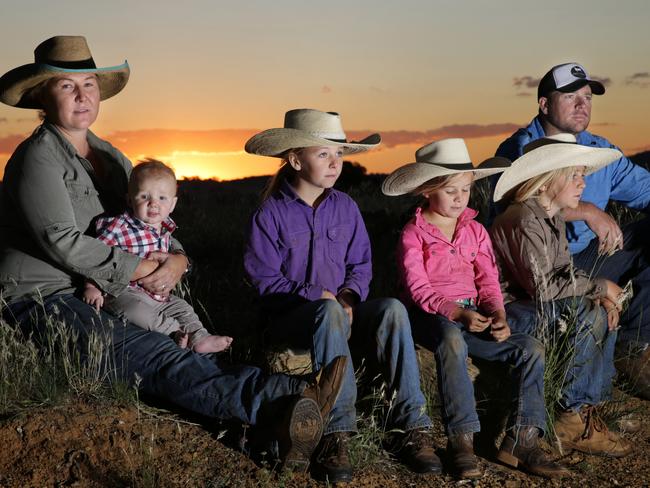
(208, 74)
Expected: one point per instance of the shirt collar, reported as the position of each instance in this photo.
(537, 132)
(464, 218)
(289, 194)
(168, 225)
(93, 141)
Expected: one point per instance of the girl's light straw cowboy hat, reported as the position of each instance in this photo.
(551, 153)
(56, 57)
(306, 127)
(440, 158)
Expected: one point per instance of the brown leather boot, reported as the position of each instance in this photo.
(332, 459)
(460, 453)
(415, 448)
(586, 432)
(523, 452)
(636, 369)
(326, 389)
(298, 434)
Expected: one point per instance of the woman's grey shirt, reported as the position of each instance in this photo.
(50, 196)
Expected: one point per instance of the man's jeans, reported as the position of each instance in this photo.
(451, 346)
(164, 370)
(381, 332)
(577, 327)
(631, 263)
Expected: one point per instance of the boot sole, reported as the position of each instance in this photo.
(513, 462)
(568, 445)
(305, 430)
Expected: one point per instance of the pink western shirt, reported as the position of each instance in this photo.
(436, 272)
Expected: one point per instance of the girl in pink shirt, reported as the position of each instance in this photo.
(451, 282)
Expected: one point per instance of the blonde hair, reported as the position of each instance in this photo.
(285, 172)
(149, 167)
(436, 183)
(530, 188)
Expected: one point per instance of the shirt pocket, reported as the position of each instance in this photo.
(85, 203)
(438, 258)
(294, 249)
(338, 239)
(467, 257)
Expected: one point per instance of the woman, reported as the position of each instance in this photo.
(56, 182)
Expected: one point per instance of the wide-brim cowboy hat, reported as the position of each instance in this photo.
(306, 127)
(440, 158)
(549, 154)
(56, 57)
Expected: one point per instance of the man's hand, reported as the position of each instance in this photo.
(610, 235)
(613, 294)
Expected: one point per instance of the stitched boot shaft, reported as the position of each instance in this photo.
(524, 452)
(460, 452)
(415, 448)
(326, 389)
(332, 459)
(586, 432)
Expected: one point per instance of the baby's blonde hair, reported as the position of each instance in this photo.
(149, 167)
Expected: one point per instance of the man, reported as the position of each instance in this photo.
(596, 241)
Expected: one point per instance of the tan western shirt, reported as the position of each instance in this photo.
(50, 196)
(533, 256)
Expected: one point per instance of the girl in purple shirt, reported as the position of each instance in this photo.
(308, 256)
(450, 278)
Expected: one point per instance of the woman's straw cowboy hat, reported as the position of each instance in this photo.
(306, 127)
(440, 158)
(58, 56)
(551, 153)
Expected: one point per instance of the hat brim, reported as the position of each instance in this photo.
(276, 142)
(552, 157)
(409, 177)
(15, 85)
(597, 88)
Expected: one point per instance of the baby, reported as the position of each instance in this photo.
(145, 228)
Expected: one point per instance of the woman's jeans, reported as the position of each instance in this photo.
(451, 346)
(158, 366)
(381, 332)
(574, 327)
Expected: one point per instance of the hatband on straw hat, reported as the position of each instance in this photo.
(440, 158)
(549, 154)
(305, 127)
(56, 57)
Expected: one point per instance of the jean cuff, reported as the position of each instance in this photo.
(332, 429)
(528, 422)
(463, 428)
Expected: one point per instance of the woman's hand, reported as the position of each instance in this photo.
(473, 321)
(170, 269)
(613, 294)
(613, 315)
(93, 296)
(348, 299)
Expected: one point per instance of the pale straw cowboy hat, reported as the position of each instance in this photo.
(56, 57)
(551, 153)
(306, 127)
(440, 158)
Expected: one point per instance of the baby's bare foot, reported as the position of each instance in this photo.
(212, 343)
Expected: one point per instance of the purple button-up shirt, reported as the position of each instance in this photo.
(294, 249)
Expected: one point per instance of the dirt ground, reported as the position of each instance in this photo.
(84, 444)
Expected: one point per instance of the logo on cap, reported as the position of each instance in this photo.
(578, 72)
